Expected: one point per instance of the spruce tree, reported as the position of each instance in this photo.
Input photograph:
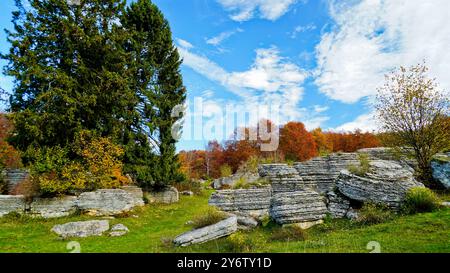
(70, 71)
(158, 83)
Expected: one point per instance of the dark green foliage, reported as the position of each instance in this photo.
(158, 83)
(97, 67)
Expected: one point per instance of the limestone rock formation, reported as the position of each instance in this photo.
(253, 202)
(441, 169)
(167, 196)
(108, 202)
(82, 229)
(282, 177)
(337, 205)
(205, 234)
(230, 181)
(320, 173)
(386, 183)
(12, 203)
(53, 207)
(297, 207)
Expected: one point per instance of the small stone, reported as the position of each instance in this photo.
(81, 229)
(118, 230)
(188, 193)
(352, 214)
(188, 223)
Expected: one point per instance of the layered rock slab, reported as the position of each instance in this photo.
(82, 229)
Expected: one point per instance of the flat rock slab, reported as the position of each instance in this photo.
(53, 207)
(82, 229)
(167, 196)
(205, 234)
(297, 207)
(386, 183)
(11, 203)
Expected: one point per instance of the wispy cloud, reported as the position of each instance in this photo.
(185, 44)
(299, 29)
(371, 37)
(217, 40)
(365, 122)
(244, 10)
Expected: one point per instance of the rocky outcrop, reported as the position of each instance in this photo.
(230, 181)
(12, 203)
(82, 229)
(253, 202)
(441, 169)
(205, 234)
(386, 183)
(297, 207)
(283, 177)
(320, 173)
(53, 207)
(337, 205)
(167, 196)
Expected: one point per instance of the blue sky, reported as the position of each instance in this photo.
(319, 61)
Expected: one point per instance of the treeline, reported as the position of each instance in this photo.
(295, 144)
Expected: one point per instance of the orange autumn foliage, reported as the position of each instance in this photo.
(9, 157)
(296, 143)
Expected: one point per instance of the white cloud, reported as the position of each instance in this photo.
(184, 44)
(217, 40)
(372, 37)
(270, 80)
(244, 10)
(365, 122)
(300, 29)
(320, 109)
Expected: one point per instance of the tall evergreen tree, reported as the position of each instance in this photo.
(158, 83)
(70, 71)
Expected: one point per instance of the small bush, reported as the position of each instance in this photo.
(225, 170)
(420, 200)
(364, 166)
(241, 183)
(28, 188)
(240, 243)
(209, 217)
(371, 214)
(289, 234)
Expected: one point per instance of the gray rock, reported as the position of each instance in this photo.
(297, 207)
(283, 178)
(352, 214)
(167, 196)
(386, 183)
(246, 221)
(187, 193)
(108, 202)
(337, 205)
(118, 230)
(53, 207)
(205, 234)
(12, 203)
(441, 169)
(82, 229)
(252, 202)
(230, 181)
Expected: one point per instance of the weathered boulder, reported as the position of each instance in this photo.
(283, 177)
(12, 203)
(118, 230)
(167, 196)
(108, 202)
(297, 207)
(386, 183)
(205, 234)
(320, 173)
(441, 169)
(82, 229)
(253, 202)
(53, 207)
(337, 205)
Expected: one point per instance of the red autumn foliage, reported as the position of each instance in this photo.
(296, 143)
(9, 157)
(352, 141)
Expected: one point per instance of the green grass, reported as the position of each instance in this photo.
(428, 232)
